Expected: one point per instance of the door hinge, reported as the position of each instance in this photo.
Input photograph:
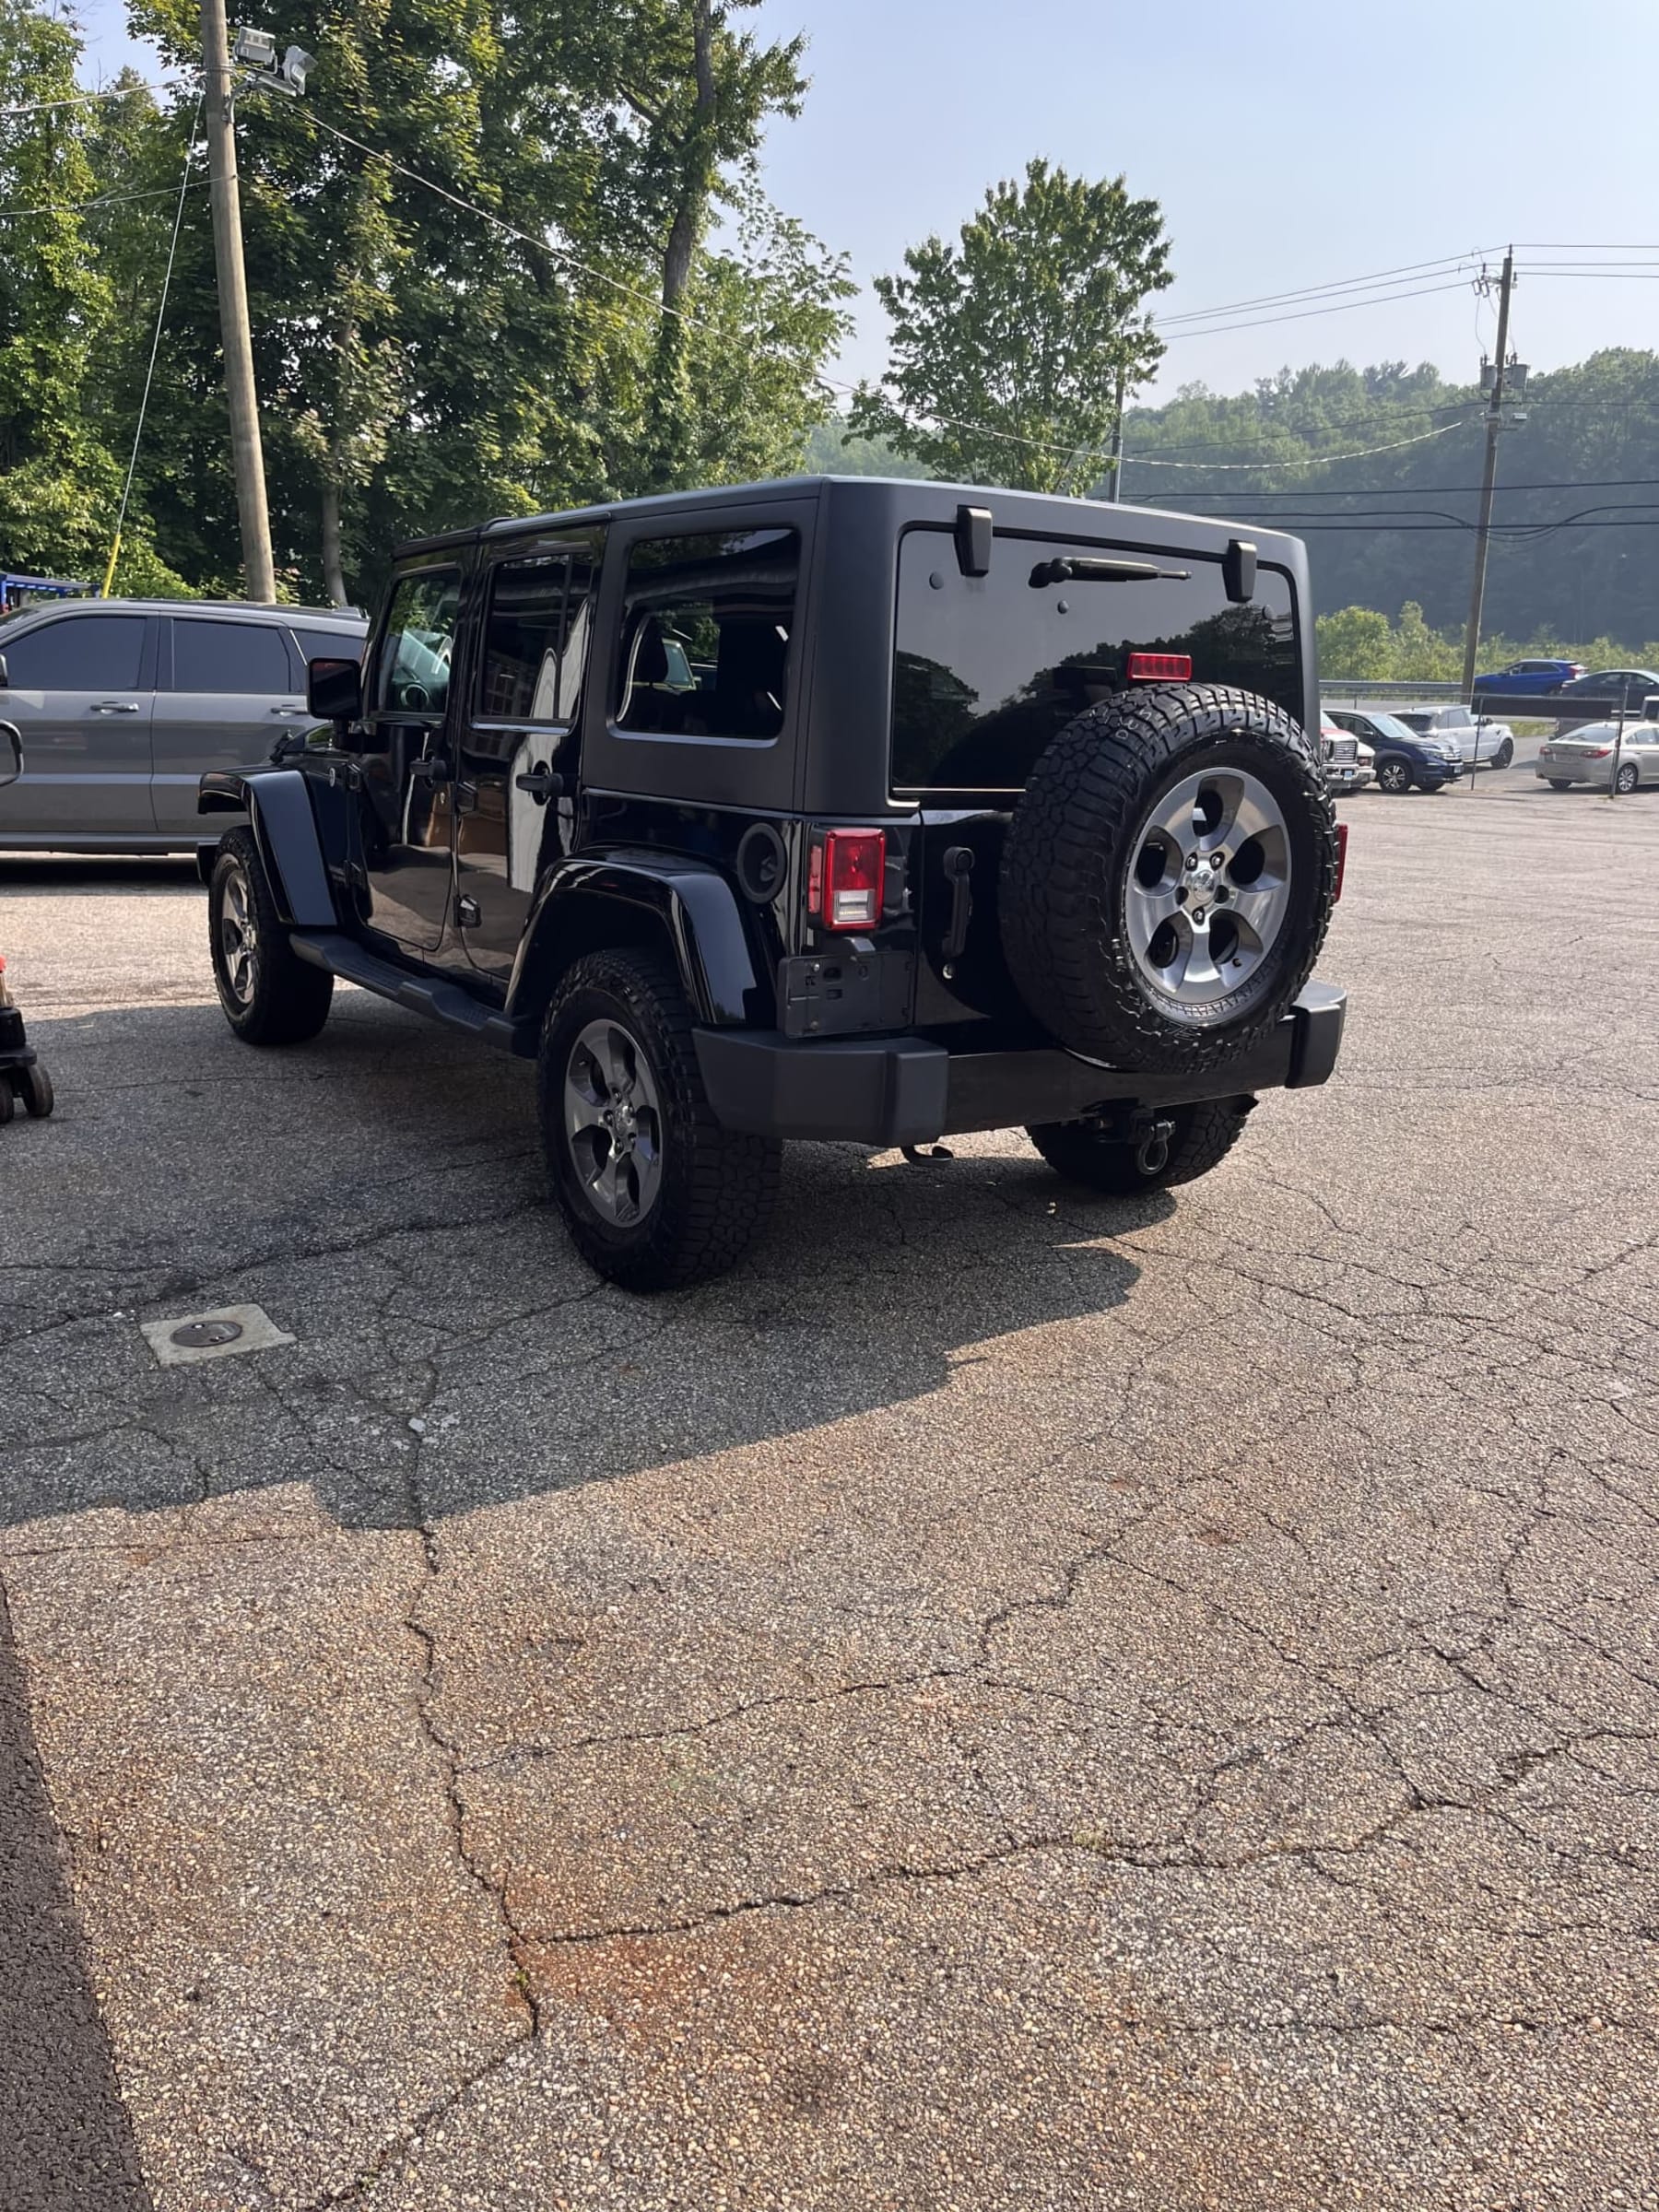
(468, 912)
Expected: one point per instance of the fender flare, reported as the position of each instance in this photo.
(278, 808)
(695, 905)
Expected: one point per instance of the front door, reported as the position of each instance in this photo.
(228, 696)
(516, 769)
(80, 692)
(404, 808)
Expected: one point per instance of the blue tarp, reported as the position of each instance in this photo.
(16, 590)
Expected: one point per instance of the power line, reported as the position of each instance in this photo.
(1335, 307)
(1314, 291)
(83, 99)
(101, 199)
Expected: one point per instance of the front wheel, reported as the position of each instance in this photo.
(1504, 755)
(1394, 776)
(37, 1092)
(656, 1193)
(270, 995)
(1200, 1138)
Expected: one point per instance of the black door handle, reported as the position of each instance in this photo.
(541, 783)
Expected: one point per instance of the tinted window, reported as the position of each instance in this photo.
(536, 636)
(231, 656)
(329, 645)
(83, 652)
(419, 640)
(706, 623)
(988, 669)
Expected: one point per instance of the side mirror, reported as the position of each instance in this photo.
(11, 753)
(4, 675)
(334, 689)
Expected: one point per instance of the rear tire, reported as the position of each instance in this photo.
(656, 1193)
(8, 1104)
(1504, 755)
(1628, 778)
(37, 1091)
(269, 994)
(1560, 782)
(1203, 1137)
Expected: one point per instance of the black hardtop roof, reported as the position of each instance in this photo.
(919, 497)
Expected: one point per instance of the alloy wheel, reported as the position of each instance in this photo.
(612, 1120)
(1210, 886)
(239, 936)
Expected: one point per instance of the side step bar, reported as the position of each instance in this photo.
(439, 1001)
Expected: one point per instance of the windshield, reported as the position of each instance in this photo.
(989, 669)
(1391, 726)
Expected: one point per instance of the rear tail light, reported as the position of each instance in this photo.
(1159, 669)
(1601, 752)
(844, 878)
(1342, 831)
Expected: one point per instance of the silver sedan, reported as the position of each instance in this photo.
(1588, 756)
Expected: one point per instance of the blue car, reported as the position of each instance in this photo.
(1404, 758)
(1535, 676)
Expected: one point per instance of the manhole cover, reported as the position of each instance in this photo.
(196, 1336)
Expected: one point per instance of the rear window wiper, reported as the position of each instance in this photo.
(1082, 568)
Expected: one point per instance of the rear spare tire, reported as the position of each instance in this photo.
(1168, 876)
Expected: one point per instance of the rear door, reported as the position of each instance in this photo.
(81, 692)
(228, 689)
(990, 669)
(515, 777)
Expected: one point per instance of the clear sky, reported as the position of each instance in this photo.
(1291, 143)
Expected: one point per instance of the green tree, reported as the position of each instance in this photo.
(1004, 351)
(1356, 642)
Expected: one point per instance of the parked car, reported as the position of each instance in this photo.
(1474, 738)
(123, 703)
(935, 824)
(1345, 770)
(1608, 690)
(1404, 758)
(1587, 753)
(1534, 677)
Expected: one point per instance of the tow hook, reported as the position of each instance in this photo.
(1152, 1153)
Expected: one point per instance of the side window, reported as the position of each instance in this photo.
(83, 652)
(706, 623)
(413, 675)
(328, 645)
(537, 631)
(231, 656)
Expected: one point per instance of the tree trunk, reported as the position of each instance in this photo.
(697, 173)
(333, 576)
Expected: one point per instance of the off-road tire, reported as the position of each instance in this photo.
(289, 1000)
(1203, 1137)
(717, 1186)
(1071, 845)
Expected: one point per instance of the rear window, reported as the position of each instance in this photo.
(706, 625)
(230, 658)
(988, 669)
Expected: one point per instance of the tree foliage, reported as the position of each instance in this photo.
(603, 303)
(1005, 349)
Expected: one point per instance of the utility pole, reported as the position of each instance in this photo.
(246, 454)
(1483, 527)
(1117, 442)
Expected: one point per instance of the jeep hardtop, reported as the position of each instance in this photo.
(831, 807)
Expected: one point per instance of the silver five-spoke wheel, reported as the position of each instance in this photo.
(1206, 894)
(614, 1122)
(239, 936)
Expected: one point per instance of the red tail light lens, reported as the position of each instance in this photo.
(844, 883)
(1601, 752)
(1342, 831)
(1159, 669)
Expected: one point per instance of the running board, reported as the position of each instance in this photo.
(439, 1001)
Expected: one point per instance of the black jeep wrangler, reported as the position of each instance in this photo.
(828, 808)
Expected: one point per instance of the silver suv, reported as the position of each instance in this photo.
(122, 704)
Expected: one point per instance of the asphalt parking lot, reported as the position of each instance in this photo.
(1007, 1701)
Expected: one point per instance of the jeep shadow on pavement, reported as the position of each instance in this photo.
(828, 808)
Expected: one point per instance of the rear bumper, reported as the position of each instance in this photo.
(908, 1091)
(1575, 772)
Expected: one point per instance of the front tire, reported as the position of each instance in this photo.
(1560, 782)
(1393, 777)
(1202, 1137)
(269, 994)
(36, 1092)
(1504, 755)
(656, 1193)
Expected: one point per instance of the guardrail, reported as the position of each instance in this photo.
(1340, 686)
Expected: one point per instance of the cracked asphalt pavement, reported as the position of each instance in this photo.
(1005, 1701)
